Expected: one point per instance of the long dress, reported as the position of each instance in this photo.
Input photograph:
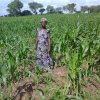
(43, 57)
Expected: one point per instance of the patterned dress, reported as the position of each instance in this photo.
(43, 57)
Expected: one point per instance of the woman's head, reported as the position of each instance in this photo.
(43, 22)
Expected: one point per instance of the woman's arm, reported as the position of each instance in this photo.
(36, 39)
(48, 41)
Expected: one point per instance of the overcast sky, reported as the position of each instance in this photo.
(4, 3)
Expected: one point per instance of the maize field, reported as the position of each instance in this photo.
(75, 46)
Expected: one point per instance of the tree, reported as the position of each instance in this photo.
(41, 10)
(34, 6)
(14, 8)
(58, 10)
(65, 8)
(78, 11)
(94, 9)
(84, 9)
(70, 7)
(91, 9)
(97, 9)
(50, 9)
(26, 12)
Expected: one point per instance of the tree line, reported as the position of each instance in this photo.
(15, 7)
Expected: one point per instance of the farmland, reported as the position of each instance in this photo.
(75, 49)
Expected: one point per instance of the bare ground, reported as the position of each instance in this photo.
(26, 89)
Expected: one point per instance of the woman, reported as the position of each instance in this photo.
(43, 46)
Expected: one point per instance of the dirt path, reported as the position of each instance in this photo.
(26, 89)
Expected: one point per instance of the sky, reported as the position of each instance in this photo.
(56, 3)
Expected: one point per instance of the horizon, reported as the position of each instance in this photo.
(58, 3)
